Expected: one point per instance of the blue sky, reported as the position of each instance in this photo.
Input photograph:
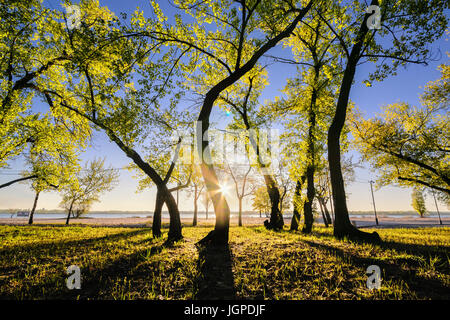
(406, 86)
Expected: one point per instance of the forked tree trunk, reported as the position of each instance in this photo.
(30, 219)
(157, 215)
(175, 222)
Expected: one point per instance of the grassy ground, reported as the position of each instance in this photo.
(126, 263)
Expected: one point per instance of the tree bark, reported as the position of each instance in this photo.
(307, 205)
(30, 220)
(156, 223)
(70, 212)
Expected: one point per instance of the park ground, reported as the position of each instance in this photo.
(119, 262)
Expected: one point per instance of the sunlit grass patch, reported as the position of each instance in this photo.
(127, 263)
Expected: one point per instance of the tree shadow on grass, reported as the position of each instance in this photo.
(96, 281)
(424, 288)
(61, 245)
(215, 280)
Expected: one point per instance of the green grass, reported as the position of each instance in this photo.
(126, 263)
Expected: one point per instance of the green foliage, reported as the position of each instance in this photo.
(89, 185)
(418, 202)
(261, 201)
(409, 145)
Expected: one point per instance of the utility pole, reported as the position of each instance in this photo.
(437, 209)
(373, 201)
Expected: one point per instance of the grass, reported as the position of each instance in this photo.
(126, 263)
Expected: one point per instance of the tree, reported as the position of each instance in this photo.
(30, 62)
(409, 145)
(227, 54)
(261, 201)
(418, 202)
(310, 100)
(196, 189)
(91, 183)
(407, 28)
(97, 63)
(164, 153)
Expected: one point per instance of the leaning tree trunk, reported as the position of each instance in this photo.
(70, 212)
(156, 223)
(219, 236)
(175, 228)
(342, 226)
(30, 220)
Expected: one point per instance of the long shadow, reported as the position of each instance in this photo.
(95, 280)
(54, 245)
(423, 287)
(215, 280)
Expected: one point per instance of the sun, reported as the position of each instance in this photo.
(224, 189)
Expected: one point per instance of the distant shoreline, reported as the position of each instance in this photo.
(136, 222)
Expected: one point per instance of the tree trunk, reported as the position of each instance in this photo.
(240, 212)
(157, 215)
(342, 225)
(325, 221)
(276, 221)
(327, 213)
(307, 205)
(219, 236)
(70, 211)
(296, 213)
(194, 222)
(30, 220)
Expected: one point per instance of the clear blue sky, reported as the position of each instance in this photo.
(406, 86)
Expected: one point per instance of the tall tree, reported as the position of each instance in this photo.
(406, 30)
(245, 31)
